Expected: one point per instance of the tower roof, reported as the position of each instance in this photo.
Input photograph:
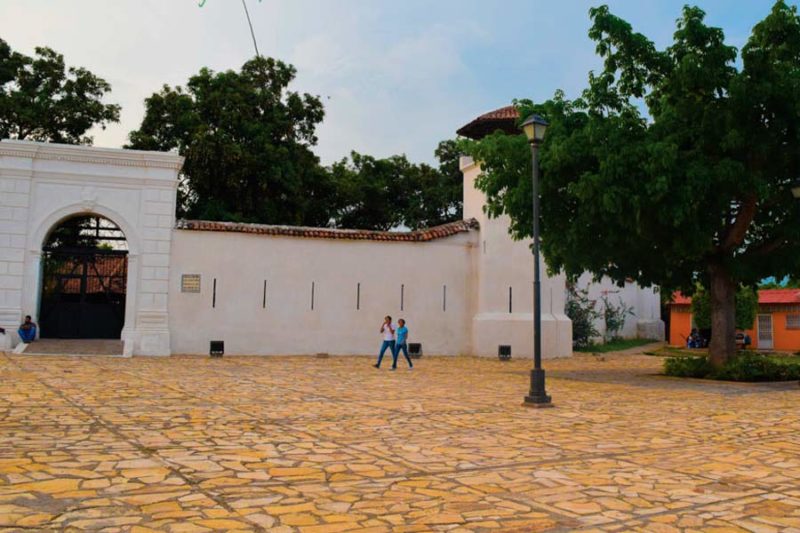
(503, 119)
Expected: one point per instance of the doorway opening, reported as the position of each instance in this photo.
(84, 280)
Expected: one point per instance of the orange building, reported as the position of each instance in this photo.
(777, 325)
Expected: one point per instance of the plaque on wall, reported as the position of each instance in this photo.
(190, 283)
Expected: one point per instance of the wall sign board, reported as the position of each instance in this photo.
(190, 283)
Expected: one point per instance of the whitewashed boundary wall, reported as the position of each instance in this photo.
(270, 295)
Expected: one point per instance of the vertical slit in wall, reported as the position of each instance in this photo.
(214, 294)
(444, 297)
(264, 297)
(312, 295)
(510, 300)
(402, 296)
(358, 297)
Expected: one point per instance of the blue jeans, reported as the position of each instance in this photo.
(27, 335)
(397, 347)
(386, 345)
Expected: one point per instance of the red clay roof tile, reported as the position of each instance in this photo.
(429, 234)
(503, 119)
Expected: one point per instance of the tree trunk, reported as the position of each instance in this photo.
(722, 293)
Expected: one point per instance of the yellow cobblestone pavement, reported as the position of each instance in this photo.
(329, 445)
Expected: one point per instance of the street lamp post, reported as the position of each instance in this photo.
(534, 128)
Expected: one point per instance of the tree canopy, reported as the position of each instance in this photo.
(746, 301)
(248, 141)
(43, 100)
(694, 190)
(391, 192)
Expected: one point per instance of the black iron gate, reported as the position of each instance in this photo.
(83, 293)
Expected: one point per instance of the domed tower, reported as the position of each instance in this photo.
(504, 269)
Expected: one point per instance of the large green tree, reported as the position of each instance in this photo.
(695, 190)
(43, 100)
(386, 193)
(247, 141)
(248, 144)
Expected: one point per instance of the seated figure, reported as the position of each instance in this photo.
(27, 331)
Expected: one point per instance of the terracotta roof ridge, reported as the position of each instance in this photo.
(765, 296)
(421, 235)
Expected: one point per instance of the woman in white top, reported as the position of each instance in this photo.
(387, 330)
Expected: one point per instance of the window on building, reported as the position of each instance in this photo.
(793, 321)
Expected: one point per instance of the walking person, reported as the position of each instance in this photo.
(387, 330)
(401, 343)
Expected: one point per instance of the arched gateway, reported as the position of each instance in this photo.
(84, 280)
(87, 234)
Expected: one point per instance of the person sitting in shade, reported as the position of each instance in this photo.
(27, 331)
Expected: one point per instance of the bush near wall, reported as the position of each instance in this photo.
(746, 366)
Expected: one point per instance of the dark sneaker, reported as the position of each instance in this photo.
(376, 366)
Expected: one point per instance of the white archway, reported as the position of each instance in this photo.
(48, 183)
(38, 238)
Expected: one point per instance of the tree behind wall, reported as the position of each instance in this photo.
(391, 192)
(699, 192)
(746, 302)
(43, 100)
(247, 142)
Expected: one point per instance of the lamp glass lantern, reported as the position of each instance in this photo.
(796, 188)
(534, 128)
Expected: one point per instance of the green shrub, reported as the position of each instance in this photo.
(581, 310)
(687, 367)
(746, 366)
(750, 367)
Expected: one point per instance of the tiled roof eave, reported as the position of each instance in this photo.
(429, 234)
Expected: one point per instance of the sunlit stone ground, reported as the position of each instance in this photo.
(290, 443)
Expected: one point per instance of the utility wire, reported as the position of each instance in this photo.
(250, 23)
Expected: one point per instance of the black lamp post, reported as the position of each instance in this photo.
(534, 128)
(796, 188)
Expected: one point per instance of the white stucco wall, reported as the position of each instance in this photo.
(241, 262)
(502, 264)
(43, 184)
(487, 275)
(644, 322)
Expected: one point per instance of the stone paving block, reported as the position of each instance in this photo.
(305, 444)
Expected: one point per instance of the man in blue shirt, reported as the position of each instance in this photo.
(27, 331)
(401, 343)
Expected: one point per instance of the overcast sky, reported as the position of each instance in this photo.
(395, 76)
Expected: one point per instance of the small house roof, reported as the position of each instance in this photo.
(765, 297)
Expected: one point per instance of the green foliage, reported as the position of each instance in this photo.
(615, 316)
(614, 345)
(581, 310)
(746, 302)
(687, 367)
(386, 193)
(247, 141)
(43, 100)
(697, 190)
(745, 366)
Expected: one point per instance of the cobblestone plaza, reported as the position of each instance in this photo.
(328, 445)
